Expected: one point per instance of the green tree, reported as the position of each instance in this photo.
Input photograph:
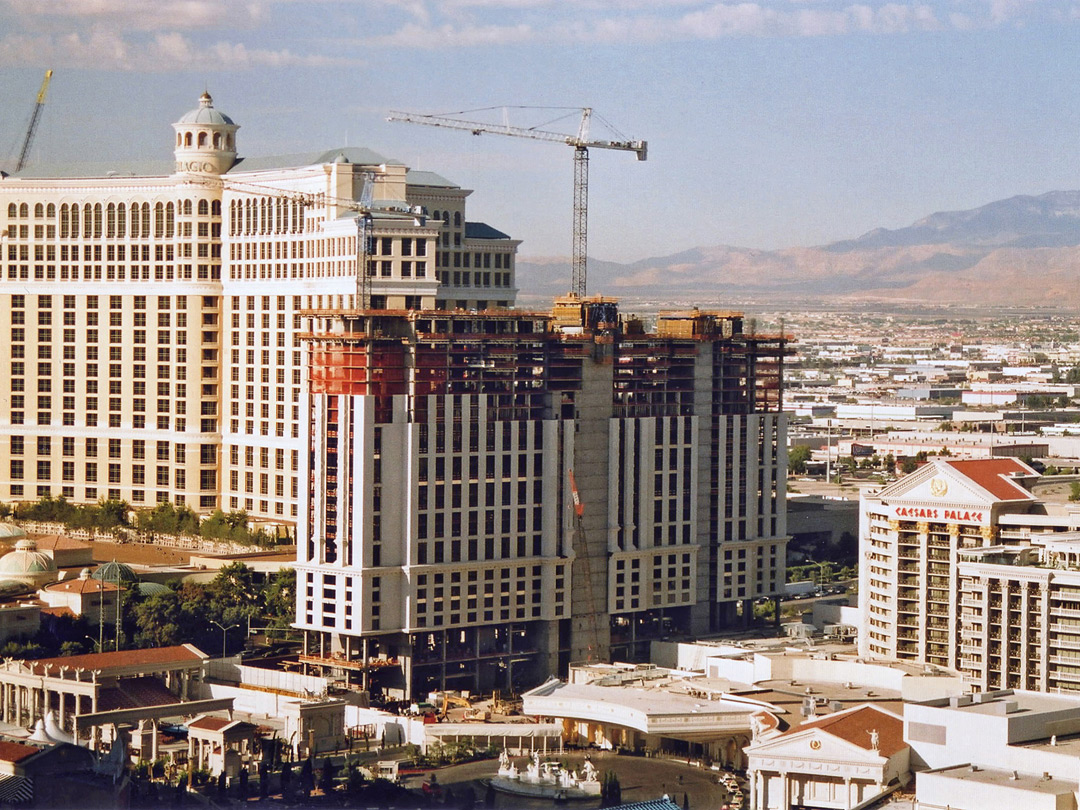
(797, 458)
(1074, 491)
(160, 621)
(281, 599)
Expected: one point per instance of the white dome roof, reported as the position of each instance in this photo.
(25, 559)
(11, 530)
(206, 114)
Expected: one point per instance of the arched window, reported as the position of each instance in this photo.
(179, 139)
(215, 208)
(39, 211)
(217, 140)
(97, 220)
(63, 220)
(50, 211)
(12, 210)
(24, 211)
(110, 221)
(121, 220)
(204, 208)
(457, 219)
(229, 141)
(262, 215)
(170, 221)
(187, 139)
(87, 221)
(187, 208)
(146, 220)
(74, 221)
(159, 220)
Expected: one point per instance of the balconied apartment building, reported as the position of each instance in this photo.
(150, 313)
(441, 545)
(974, 566)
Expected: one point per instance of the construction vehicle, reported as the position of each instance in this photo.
(31, 130)
(449, 699)
(581, 142)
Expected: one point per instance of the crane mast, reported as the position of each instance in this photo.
(24, 153)
(593, 611)
(581, 144)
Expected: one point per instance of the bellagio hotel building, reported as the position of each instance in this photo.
(150, 315)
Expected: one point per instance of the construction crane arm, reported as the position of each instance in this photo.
(24, 153)
(478, 128)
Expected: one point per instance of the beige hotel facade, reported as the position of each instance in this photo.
(150, 314)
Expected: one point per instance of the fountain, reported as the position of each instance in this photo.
(546, 779)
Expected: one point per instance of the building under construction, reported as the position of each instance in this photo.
(494, 495)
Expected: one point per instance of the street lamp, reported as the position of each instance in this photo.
(224, 630)
(94, 642)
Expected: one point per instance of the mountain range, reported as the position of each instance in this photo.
(1022, 251)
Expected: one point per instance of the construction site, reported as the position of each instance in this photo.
(495, 495)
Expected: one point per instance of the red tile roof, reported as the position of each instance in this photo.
(16, 752)
(855, 726)
(991, 474)
(157, 657)
(61, 542)
(80, 585)
(59, 611)
(210, 723)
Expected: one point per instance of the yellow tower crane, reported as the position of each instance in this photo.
(581, 142)
(30, 130)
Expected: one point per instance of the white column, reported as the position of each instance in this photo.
(785, 790)
(847, 793)
(753, 790)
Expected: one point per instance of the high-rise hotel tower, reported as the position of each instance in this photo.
(495, 495)
(150, 314)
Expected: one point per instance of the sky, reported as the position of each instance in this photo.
(770, 123)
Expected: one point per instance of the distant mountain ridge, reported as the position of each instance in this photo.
(1024, 250)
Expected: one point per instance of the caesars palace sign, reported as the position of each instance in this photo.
(936, 513)
(939, 488)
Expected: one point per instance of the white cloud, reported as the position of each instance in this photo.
(449, 36)
(105, 50)
(135, 15)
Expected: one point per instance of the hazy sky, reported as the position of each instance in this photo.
(770, 123)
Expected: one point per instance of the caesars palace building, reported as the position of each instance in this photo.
(151, 314)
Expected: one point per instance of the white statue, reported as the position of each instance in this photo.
(589, 770)
(756, 727)
(504, 761)
(875, 739)
(534, 766)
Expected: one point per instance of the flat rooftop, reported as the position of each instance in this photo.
(1005, 779)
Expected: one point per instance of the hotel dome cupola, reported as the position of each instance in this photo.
(205, 140)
